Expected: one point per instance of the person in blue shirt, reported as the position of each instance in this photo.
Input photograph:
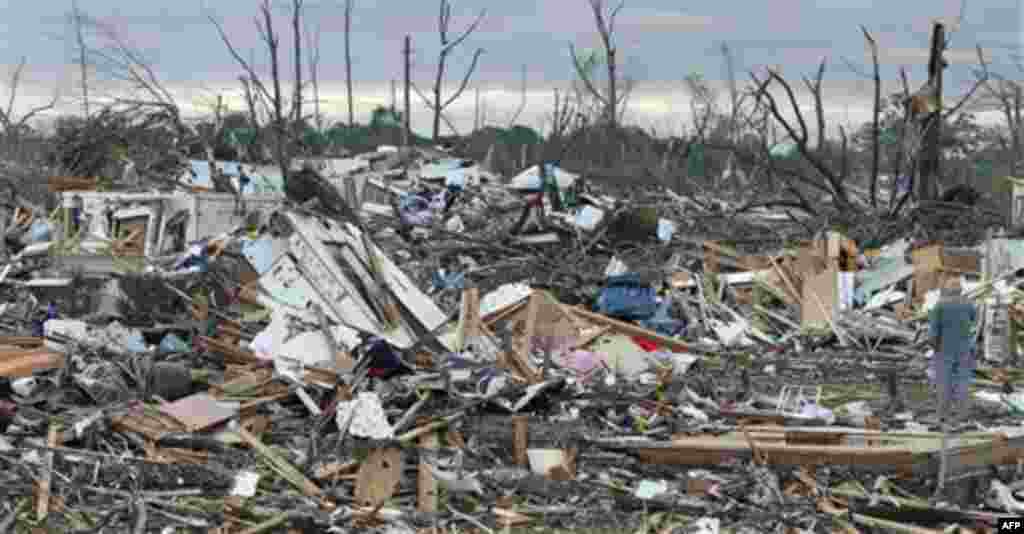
(952, 322)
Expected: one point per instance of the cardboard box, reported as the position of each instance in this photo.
(937, 257)
(711, 263)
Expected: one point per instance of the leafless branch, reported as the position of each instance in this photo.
(522, 101)
(875, 112)
(837, 190)
(252, 77)
(814, 86)
(348, 61)
(447, 46)
(429, 104)
(313, 60)
(297, 40)
(585, 76)
(465, 80)
(982, 77)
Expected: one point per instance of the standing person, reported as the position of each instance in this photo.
(951, 329)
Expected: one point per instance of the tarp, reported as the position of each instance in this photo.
(695, 161)
(626, 297)
(260, 253)
(440, 169)
(783, 150)
(529, 180)
(887, 271)
(263, 179)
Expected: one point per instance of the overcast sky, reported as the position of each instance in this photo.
(660, 42)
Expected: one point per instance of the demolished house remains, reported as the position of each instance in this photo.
(456, 347)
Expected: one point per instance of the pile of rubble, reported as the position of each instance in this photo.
(406, 341)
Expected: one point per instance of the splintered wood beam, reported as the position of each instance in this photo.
(43, 502)
(469, 317)
(631, 330)
(520, 439)
(426, 486)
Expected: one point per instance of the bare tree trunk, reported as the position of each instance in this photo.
(297, 34)
(348, 61)
(280, 127)
(407, 117)
(313, 59)
(476, 111)
(82, 63)
(447, 45)
(250, 104)
(522, 100)
(1015, 129)
(876, 152)
(931, 162)
(606, 29)
(613, 99)
(435, 128)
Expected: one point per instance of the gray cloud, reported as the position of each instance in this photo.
(659, 43)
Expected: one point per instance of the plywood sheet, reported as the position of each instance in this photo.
(200, 411)
(378, 476)
(820, 299)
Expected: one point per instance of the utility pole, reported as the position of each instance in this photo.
(932, 157)
(407, 52)
(394, 95)
(476, 111)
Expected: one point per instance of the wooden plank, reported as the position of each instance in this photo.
(928, 258)
(306, 486)
(522, 353)
(43, 501)
(147, 423)
(708, 451)
(469, 317)
(631, 329)
(378, 477)
(819, 299)
(25, 342)
(520, 439)
(237, 355)
(426, 486)
(24, 363)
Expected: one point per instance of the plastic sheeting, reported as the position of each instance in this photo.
(529, 180)
(588, 218)
(367, 417)
(441, 169)
(783, 150)
(262, 179)
(39, 232)
(627, 298)
(171, 343)
(260, 253)
(666, 229)
(662, 322)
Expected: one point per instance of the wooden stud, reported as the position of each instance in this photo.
(378, 477)
(521, 439)
(426, 486)
(43, 502)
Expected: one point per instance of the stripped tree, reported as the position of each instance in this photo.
(13, 124)
(1007, 97)
(348, 62)
(614, 95)
(448, 45)
(271, 98)
(832, 174)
